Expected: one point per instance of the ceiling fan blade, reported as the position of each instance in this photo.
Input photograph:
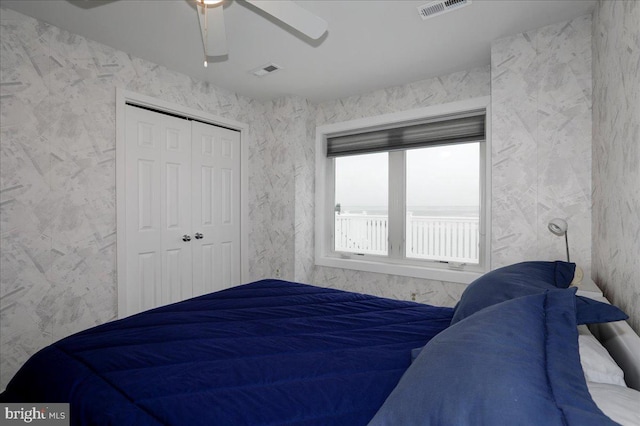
(214, 37)
(293, 15)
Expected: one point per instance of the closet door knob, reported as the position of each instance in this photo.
(186, 238)
(199, 236)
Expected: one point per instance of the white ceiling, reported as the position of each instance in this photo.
(369, 45)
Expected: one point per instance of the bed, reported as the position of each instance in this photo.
(274, 352)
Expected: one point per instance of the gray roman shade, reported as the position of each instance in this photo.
(438, 131)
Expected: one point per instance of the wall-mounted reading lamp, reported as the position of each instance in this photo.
(559, 227)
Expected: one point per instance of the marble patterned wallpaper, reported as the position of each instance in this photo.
(541, 153)
(271, 192)
(57, 179)
(616, 154)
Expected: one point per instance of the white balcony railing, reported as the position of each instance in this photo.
(454, 239)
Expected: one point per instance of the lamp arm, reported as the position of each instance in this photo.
(566, 241)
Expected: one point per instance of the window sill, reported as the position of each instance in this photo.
(424, 272)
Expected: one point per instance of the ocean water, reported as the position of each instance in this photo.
(448, 211)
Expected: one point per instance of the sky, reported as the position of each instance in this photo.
(436, 176)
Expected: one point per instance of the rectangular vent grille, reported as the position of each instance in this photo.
(265, 69)
(435, 8)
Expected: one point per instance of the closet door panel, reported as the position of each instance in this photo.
(216, 201)
(175, 211)
(158, 209)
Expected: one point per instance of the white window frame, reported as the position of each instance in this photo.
(393, 264)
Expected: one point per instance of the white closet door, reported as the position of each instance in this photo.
(216, 207)
(158, 181)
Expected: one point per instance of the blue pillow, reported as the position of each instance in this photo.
(589, 311)
(512, 281)
(515, 362)
(527, 278)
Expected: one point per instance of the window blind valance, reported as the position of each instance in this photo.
(439, 131)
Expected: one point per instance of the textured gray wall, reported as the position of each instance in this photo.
(616, 154)
(541, 118)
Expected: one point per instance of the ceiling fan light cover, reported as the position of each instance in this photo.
(210, 2)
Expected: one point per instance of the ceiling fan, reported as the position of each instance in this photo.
(211, 18)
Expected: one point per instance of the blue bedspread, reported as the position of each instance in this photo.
(267, 353)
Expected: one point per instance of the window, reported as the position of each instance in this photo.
(361, 204)
(443, 203)
(406, 194)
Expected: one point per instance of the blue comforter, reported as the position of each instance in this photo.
(267, 353)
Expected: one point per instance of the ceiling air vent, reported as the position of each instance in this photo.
(265, 69)
(435, 8)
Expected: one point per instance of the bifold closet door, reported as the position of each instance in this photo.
(158, 219)
(216, 202)
(182, 209)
